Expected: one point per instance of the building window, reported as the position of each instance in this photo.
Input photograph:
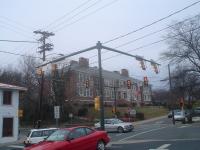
(7, 127)
(7, 98)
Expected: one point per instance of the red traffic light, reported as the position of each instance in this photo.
(87, 83)
(129, 84)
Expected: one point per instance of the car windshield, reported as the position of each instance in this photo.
(115, 121)
(59, 135)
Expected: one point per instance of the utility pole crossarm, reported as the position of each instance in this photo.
(64, 57)
(114, 50)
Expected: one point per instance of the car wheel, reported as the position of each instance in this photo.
(120, 130)
(183, 121)
(100, 145)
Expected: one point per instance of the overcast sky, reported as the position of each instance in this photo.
(77, 28)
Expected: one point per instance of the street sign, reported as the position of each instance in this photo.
(56, 112)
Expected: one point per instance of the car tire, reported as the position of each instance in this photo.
(120, 129)
(100, 145)
(183, 121)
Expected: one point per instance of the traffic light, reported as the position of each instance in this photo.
(155, 66)
(181, 103)
(97, 103)
(87, 83)
(146, 81)
(129, 84)
(142, 65)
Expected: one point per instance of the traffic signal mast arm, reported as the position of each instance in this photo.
(99, 45)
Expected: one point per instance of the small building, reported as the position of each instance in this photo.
(9, 102)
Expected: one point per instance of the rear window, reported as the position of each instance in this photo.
(36, 134)
(42, 133)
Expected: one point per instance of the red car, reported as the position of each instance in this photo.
(76, 138)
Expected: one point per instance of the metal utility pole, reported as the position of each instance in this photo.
(43, 48)
(99, 47)
(170, 88)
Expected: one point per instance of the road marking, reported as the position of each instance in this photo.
(119, 134)
(16, 146)
(124, 139)
(184, 126)
(162, 147)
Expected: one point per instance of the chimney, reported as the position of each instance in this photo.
(83, 62)
(124, 72)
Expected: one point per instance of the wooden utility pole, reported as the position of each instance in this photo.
(43, 48)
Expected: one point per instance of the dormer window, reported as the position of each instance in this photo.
(7, 97)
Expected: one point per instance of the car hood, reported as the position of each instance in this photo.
(50, 145)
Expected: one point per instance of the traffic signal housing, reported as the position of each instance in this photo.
(129, 84)
(87, 83)
(146, 81)
(142, 65)
(97, 103)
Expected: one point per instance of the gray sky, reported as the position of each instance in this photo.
(97, 20)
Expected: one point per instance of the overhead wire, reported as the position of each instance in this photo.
(62, 24)
(68, 13)
(154, 22)
(15, 41)
(85, 16)
(147, 45)
(149, 34)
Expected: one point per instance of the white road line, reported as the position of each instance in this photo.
(124, 139)
(184, 126)
(16, 146)
(119, 134)
(162, 147)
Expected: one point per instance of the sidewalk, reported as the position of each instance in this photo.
(149, 120)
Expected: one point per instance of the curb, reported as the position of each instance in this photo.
(149, 120)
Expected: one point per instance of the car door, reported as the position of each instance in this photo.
(108, 125)
(77, 139)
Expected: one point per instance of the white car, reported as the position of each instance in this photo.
(180, 116)
(115, 124)
(38, 135)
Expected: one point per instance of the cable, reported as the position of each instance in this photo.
(149, 34)
(10, 29)
(17, 54)
(19, 24)
(18, 41)
(67, 14)
(64, 22)
(148, 25)
(89, 14)
(147, 45)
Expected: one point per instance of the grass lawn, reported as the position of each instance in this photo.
(149, 111)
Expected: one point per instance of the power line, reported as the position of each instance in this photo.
(19, 24)
(60, 24)
(17, 54)
(148, 25)
(149, 34)
(18, 41)
(89, 14)
(68, 13)
(147, 45)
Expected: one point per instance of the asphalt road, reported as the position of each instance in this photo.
(158, 135)
(154, 135)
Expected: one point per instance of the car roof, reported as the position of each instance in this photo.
(43, 129)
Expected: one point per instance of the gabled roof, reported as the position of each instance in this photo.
(12, 87)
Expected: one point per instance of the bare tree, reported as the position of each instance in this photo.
(184, 44)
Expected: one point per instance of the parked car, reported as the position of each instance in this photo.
(170, 113)
(197, 111)
(38, 135)
(115, 124)
(180, 116)
(75, 138)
